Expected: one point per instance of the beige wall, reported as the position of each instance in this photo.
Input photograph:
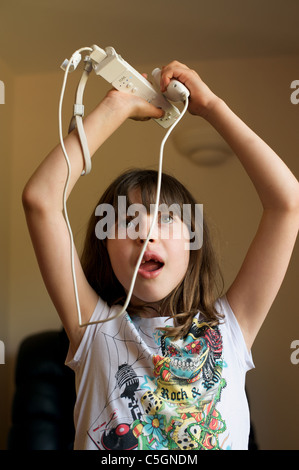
(259, 91)
(6, 115)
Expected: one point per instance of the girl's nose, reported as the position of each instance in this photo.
(143, 231)
(143, 240)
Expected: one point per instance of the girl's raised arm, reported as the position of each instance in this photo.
(259, 279)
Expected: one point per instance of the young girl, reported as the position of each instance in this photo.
(170, 372)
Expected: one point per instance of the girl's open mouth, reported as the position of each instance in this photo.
(151, 266)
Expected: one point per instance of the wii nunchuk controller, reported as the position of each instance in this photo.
(176, 91)
(111, 66)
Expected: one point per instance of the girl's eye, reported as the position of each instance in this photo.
(126, 223)
(130, 223)
(166, 219)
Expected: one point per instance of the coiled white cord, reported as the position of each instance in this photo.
(158, 190)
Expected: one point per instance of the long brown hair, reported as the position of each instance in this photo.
(199, 288)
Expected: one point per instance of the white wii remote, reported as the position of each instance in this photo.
(111, 66)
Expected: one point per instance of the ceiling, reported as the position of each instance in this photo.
(37, 35)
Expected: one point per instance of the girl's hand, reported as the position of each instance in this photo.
(202, 99)
(131, 106)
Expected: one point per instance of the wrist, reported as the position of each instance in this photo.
(213, 108)
(210, 107)
(116, 103)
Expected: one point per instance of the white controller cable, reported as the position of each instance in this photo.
(159, 180)
(72, 63)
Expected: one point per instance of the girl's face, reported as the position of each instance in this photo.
(165, 260)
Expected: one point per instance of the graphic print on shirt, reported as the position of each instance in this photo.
(176, 408)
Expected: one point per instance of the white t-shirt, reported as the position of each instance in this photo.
(138, 390)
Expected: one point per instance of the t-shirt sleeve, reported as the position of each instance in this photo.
(235, 334)
(101, 312)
